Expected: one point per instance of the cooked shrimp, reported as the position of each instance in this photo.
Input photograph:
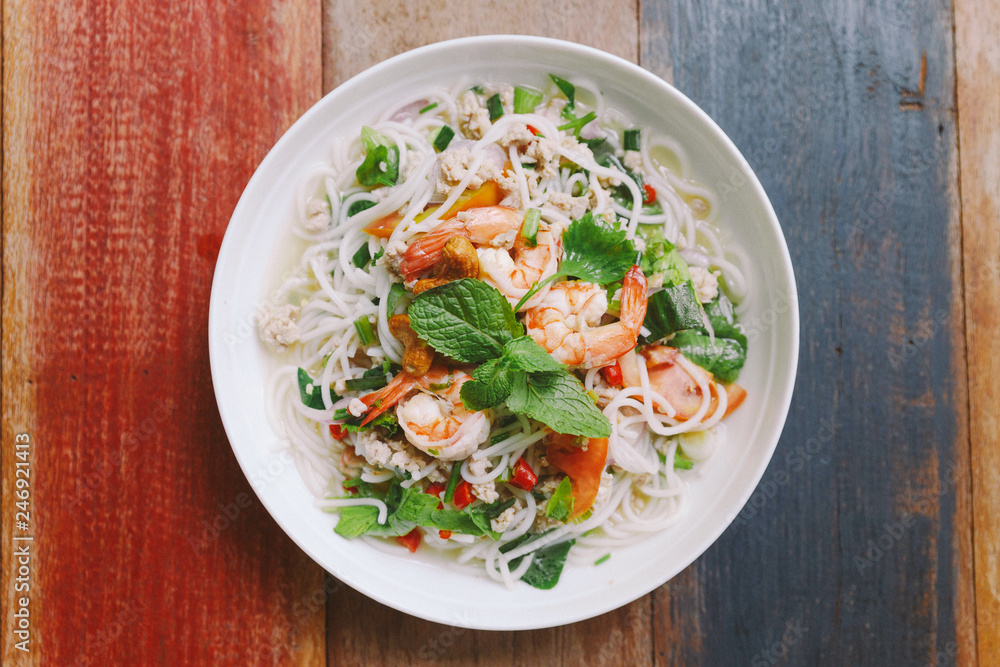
(514, 272)
(567, 321)
(681, 389)
(434, 420)
(495, 226)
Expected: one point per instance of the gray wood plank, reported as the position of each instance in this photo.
(854, 547)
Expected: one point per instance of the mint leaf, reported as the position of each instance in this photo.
(527, 355)
(559, 401)
(465, 319)
(596, 253)
(457, 521)
(560, 505)
(490, 385)
(723, 358)
(407, 508)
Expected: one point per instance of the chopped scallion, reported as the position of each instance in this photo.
(456, 477)
(432, 105)
(364, 328)
(397, 290)
(602, 559)
(495, 107)
(366, 383)
(529, 229)
(526, 99)
(631, 141)
(443, 137)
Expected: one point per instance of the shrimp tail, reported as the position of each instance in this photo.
(425, 252)
(387, 396)
(634, 299)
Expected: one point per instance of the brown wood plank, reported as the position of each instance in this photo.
(130, 129)
(357, 36)
(977, 63)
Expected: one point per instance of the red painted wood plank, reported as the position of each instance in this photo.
(130, 129)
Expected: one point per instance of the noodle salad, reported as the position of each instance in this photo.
(510, 332)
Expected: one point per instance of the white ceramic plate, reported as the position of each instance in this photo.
(422, 584)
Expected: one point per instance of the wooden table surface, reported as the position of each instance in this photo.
(129, 131)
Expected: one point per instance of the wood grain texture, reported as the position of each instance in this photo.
(130, 130)
(359, 35)
(977, 57)
(856, 546)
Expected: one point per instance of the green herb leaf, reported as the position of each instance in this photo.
(577, 124)
(359, 205)
(356, 520)
(381, 163)
(490, 385)
(310, 392)
(723, 358)
(546, 565)
(397, 290)
(672, 309)
(362, 257)
(407, 508)
(595, 252)
(568, 89)
(527, 355)
(560, 505)
(465, 319)
(559, 401)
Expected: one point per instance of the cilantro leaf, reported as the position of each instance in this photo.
(465, 319)
(560, 505)
(559, 401)
(490, 385)
(596, 253)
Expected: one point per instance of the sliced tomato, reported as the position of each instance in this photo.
(648, 194)
(411, 540)
(489, 194)
(583, 466)
(735, 394)
(444, 534)
(383, 227)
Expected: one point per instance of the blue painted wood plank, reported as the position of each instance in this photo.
(848, 551)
